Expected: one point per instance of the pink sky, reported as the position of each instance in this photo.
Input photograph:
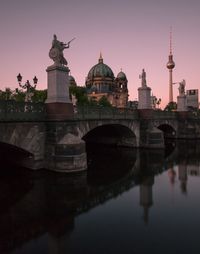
(132, 35)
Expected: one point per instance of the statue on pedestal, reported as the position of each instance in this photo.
(182, 88)
(143, 78)
(56, 51)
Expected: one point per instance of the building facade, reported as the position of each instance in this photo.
(101, 82)
(192, 98)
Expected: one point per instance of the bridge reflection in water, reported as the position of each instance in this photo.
(126, 200)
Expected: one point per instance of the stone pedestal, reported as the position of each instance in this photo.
(155, 138)
(65, 150)
(150, 136)
(144, 98)
(58, 103)
(181, 103)
(68, 156)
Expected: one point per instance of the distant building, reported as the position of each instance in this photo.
(101, 82)
(192, 98)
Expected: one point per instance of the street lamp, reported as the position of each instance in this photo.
(19, 78)
(29, 88)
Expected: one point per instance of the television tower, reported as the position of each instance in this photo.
(170, 66)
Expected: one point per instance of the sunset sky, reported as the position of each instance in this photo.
(131, 34)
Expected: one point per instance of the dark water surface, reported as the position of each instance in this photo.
(129, 201)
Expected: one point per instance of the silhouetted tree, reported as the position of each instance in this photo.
(39, 96)
(104, 102)
(6, 95)
(80, 93)
(171, 106)
(19, 95)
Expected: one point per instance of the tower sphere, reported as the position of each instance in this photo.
(170, 64)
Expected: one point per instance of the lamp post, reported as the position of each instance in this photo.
(29, 88)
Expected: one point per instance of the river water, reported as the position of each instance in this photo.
(128, 201)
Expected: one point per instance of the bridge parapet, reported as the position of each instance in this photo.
(11, 110)
(159, 114)
(165, 114)
(105, 113)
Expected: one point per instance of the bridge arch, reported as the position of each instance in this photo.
(12, 154)
(72, 138)
(168, 130)
(27, 137)
(111, 134)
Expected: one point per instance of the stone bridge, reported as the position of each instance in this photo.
(59, 145)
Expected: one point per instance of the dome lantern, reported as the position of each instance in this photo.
(100, 58)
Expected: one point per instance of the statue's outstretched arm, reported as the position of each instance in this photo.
(66, 45)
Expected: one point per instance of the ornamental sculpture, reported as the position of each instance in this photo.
(143, 78)
(182, 88)
(56, 51)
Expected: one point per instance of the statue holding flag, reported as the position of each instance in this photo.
(56, 51)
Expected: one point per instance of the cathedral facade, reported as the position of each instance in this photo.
(101, 82)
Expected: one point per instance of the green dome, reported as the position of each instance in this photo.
(71, 78)
(121, 75)
(72, 81)
(100, 70)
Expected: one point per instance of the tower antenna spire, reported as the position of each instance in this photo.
(170, 66)
(170, 41)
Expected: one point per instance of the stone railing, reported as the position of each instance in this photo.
(164, 114)
(105, 113)
(158, 114)
(11, 110)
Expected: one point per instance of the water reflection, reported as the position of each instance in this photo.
(46, 212)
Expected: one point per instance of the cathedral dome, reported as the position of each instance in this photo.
(72, 81)
(71, 78)
(121, 75)
(100, 70)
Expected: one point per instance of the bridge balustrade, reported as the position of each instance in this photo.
(11, 110)
(159, 114)
(164, 114)
(105, 113)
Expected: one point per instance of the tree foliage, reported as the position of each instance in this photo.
(39, 95)
(171, 106)
(80, 93)
(6, 95)
(82, 99)
(104, 102)
(19, 95)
